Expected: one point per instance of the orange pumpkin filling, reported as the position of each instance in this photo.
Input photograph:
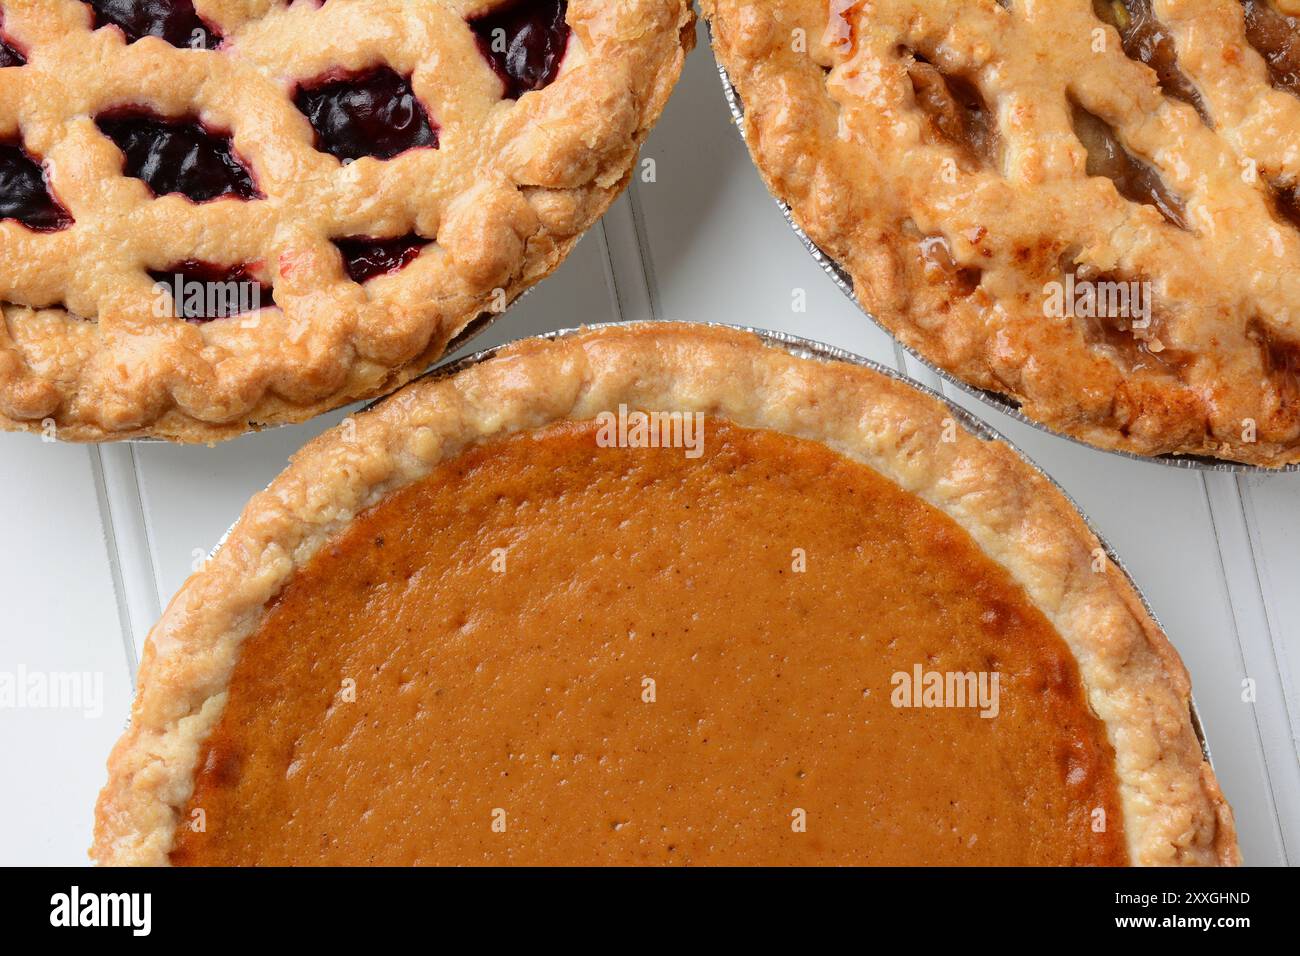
(552, 652)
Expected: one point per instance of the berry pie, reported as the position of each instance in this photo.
(217, 215)
(1090, 207)
(660, 594)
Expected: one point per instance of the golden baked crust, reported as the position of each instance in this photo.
(1134, 681)
(511, 188)
(960, 157)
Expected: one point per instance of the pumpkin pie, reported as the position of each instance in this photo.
(660, 594)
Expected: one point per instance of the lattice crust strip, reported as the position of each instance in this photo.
(504, 197)
(961, 158)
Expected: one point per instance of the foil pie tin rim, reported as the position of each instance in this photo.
(813, 350)
(844, 282)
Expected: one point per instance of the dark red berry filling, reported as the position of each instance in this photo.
(203, 291)
(10, 56)
(524, 41)
(364, 258)
(375, 113)
(173, 20)
(178, 156)
(24, 193)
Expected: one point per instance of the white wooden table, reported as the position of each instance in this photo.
(94, 541)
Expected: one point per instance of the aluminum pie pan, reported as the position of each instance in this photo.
(813, 350)
(844, 282)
